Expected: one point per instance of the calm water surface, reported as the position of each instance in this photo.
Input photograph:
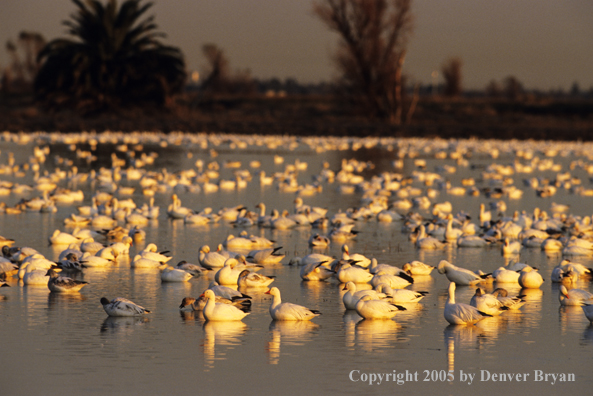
(66, 344)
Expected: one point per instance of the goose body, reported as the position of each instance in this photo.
(459, 313)
(63, 284)
(487, 303)
(352, 296)
(170, 274)
(219, 311)
(288, 311)
(376, 309)
(252, 279)
(417, 268)
(530, 278)
(460, 276)
(120, 306)
(574, 296)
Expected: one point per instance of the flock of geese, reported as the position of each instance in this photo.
(100, 233)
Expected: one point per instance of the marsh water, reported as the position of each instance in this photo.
(56, 344)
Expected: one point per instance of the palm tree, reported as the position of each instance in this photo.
(114, 59)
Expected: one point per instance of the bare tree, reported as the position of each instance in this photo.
(372, 49)
(452, 73)
(513, 88)
(217, 68)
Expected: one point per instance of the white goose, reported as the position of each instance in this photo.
(376, 309)
(426, 242)
(288, 311)
(316, 271)
(170, 274)
(460, 276)
(529, 278)
(120, 306)
(512, 303)
(459, 313)
(417, 268)
(252, 279)
(487, 303)
(574, 296)
(401, 296)
(351, 297)
(219, 311)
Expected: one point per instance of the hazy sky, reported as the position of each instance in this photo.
(544, 43)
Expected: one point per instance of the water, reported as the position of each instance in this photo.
(56, 344)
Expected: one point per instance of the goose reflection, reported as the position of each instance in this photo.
(571, 316)
(288, 333)
(587, 335)
(375, 335)
(122, 325)
(61, 300)
(221, 333)
(463, 337)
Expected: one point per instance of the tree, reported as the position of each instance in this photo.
(219, 79)
(19, 74)
(113, 59)
(217, 69)
(452, 73)
(372, 49)
(513, 88)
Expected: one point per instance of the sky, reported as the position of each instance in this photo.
(545, 44)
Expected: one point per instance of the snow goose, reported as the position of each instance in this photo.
(376, 309)
(316, 271)
(510, 247)
(459, 313)
(487, 303)
(512, 303)
(192, 304)
(579, 269)
(529, 278)
(150, 252)
(574, 296)
(252, 279)
(226, 292)
(423, 241)
(193, 269)
(361, 260)
(219, 311)
(142, 262)
(35, 277)
(319, 241)
(62, 238)
(89, 245)
(394, 281)
(288, 311)
(170, 274)
(452, 234)
(351, 297)
(63, 284)
(120, 306)
(94, 261)
(210, 260)
(266, 256)
(458, 275)
(472, 241)
(228, 275)
(503, 275)
(351, 273)
(401, 296)
(417, 268)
